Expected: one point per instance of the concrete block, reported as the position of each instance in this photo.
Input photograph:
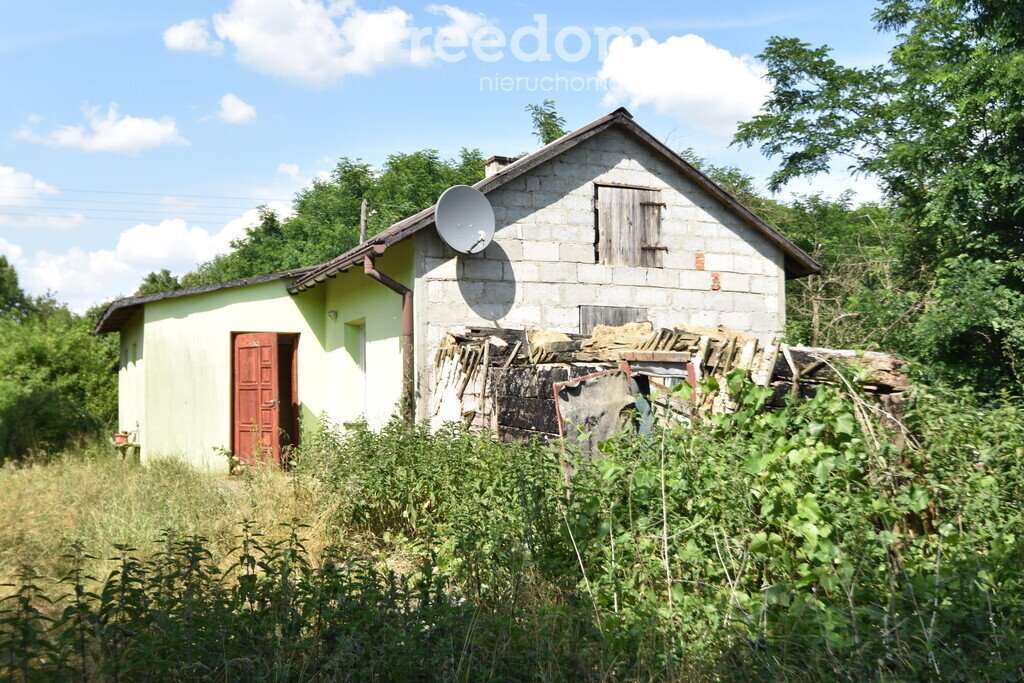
(561, 318)
(576, 294)
(651, 297)
(695, 279)
(625, 275)
(513, 250)
(719, 262)
(563, 168)
(538, 293)
(595, 273)
(498, 292)
(540, 251)
(579, 217)
(535, 231)
(703, 318)
(734, 282)
(751, 265)
(763, 284)
(576, 252)
(525, 315)
(521, 271)
(663, 277)
(617, 295)
(482, 269)
(737, 320)
(440, 269)
(765, 322)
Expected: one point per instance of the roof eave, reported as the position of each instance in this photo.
(121, 310)
(797, 262)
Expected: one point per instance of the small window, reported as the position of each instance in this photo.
(629, 226)
(355, 343)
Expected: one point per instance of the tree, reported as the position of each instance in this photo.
(326, 218)
(13, 302)
(56, 377)
(941, 125)
(548, 126)
(157, 282)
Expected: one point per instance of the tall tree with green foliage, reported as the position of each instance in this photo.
(13, 302)
(57, 379)
(326, 219)
(548, 126)
(158, 281)
(941, 126)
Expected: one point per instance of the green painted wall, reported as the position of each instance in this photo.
(131, 377)
(360, 302)
(187, 361)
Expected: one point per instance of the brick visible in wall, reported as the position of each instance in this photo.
(716, 282)
(699, 265)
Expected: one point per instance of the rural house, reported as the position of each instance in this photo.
(606, 225)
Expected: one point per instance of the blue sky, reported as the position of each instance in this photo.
(136, 136)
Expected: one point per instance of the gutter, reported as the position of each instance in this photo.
(370, 270)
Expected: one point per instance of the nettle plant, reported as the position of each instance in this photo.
(808, 534)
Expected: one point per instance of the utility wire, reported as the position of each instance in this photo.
(153, 194)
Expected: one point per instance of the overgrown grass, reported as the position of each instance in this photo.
(97, 501)
(803, 544)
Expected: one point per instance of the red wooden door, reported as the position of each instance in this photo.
(257, 409)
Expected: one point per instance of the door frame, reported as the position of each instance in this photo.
(293, 375)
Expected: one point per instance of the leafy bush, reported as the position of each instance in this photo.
(57, 381)
(806, 543)
(813, 542)
(488, 512)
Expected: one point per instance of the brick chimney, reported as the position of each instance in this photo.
(495, 164)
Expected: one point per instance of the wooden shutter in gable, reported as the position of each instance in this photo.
(629, 226)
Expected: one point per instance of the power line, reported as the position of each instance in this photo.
(43, 202)
(27, 217)
(169, 212)
(153, 194)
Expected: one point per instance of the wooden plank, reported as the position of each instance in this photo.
(620, 225)
(649, 214)
(881, 369)
(655, 356)
(614, 316)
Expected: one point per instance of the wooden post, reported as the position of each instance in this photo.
(362, 222)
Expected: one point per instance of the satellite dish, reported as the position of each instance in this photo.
(464, 219)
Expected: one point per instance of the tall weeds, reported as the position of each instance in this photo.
(800, 544)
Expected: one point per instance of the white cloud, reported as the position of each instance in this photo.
(192, 36)
(18, 188)
(319, 42)
(234, 109)
(311, 42)
(56, 221)
(460, 29)
(290, 170)
(81, 278)
(13, 252)
(111, 132)
(687, 78)
(21, 202)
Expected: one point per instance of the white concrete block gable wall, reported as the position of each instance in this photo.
(542, 265)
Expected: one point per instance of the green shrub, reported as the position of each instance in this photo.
(808, 543)
(488, 512)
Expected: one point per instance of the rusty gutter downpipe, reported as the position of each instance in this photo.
(369, 269)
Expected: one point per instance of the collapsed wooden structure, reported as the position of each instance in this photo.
(522, 384)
